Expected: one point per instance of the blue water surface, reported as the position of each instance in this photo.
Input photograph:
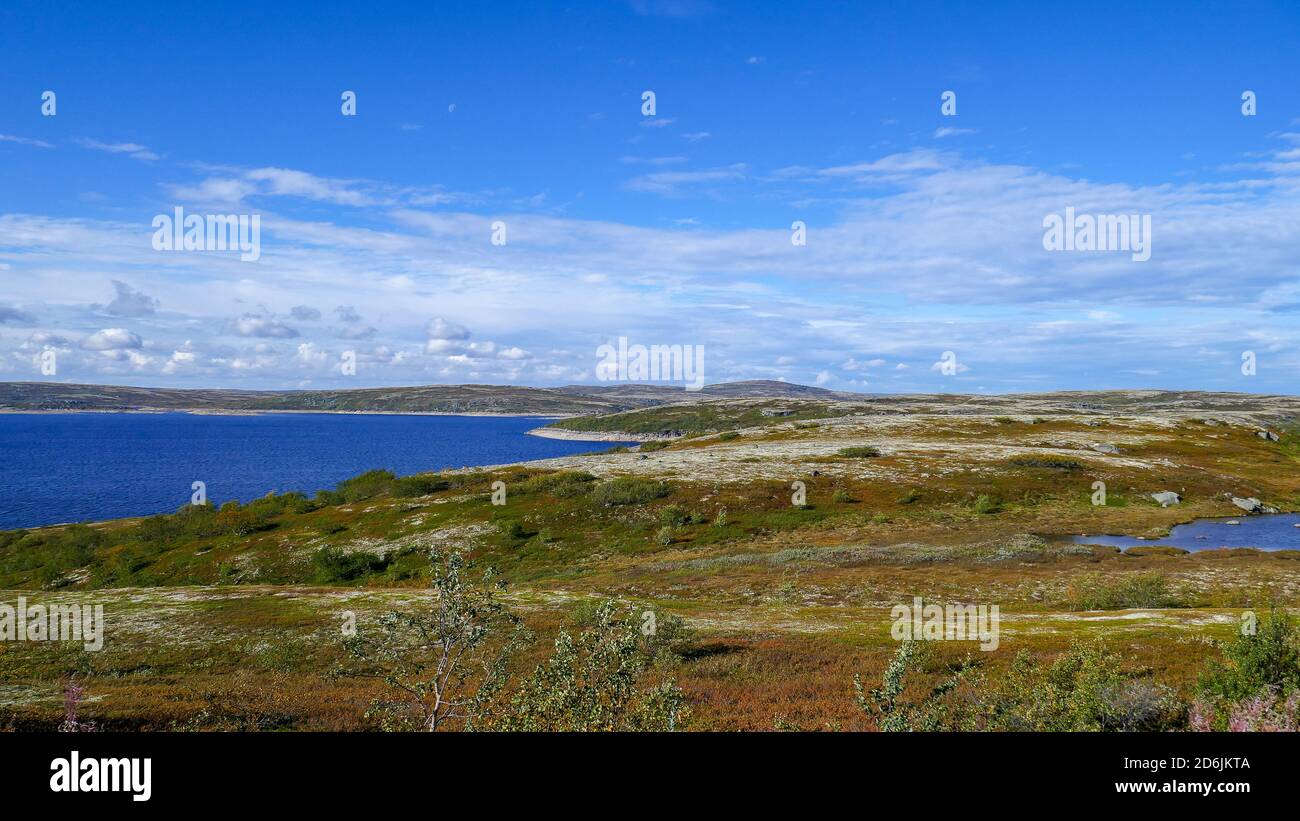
(72, 467)
(1269, 531)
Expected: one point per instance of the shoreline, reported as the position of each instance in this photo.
(260, 412)
(592, 436)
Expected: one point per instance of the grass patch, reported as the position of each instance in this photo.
(861, 452)
(1134, 591)
(629, 490)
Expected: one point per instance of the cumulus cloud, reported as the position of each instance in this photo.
(440, 328)
(111, 339)
(262, 326)
(130, 302)
(41, 339)
(909, 253)
(357, 332)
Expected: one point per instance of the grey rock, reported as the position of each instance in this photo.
(1267, 434)
(1106, 447)
(1250, 505)
(1167, 498)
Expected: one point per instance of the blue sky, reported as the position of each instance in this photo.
(924, 231)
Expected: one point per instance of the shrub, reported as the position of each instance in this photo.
(987, 504)
(728, 435)
(368, 485)
(1253, 665)
(1084, 689)
(1049, 462)
(650, 447)
(842, 496)
(513, 529)
(421, 484)
(564, 483)
(1132, 591)
(331, 565)
(328, 498)
(271, 504)
(596, 681)
(664, 536)
(862, 452)
(674, 516)
(629, 490)
(909, 497)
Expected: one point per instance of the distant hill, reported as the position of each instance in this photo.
(571, 399)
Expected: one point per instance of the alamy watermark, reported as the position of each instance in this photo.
(657, 363)
(211, 232)
(53, 622)
(1101, 232)
(953, 622)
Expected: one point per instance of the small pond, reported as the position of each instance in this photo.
(1269, 531)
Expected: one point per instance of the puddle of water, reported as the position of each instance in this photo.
(1269, 531)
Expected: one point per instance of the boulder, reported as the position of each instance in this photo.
(1250, 505)
(1267, 434)
(1167, 498)
(1105, 447)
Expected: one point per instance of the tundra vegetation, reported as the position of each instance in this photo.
(765, 614)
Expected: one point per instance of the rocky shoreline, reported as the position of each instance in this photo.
(595, 436)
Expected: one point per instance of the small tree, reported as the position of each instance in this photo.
(593, 682)
(448, 661)
(886, 705)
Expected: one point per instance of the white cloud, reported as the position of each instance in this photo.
(9, 138)
(133, 150)
(441, 329)
(262, 327)
(111, 339)
(130, 302)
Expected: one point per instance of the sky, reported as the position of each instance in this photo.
(500, 204)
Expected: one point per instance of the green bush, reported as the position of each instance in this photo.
(1253, 664)
(564, 483)
(650, 447)
(368, 485)
(1083, 689)
(674, 516)
(909, 497)
(1049, 462)
(421, 484)
(862, 452)
(514, 529)
(987, 504)
(629, 490)
(1130, 592)
(842, 496)
(331, 565)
